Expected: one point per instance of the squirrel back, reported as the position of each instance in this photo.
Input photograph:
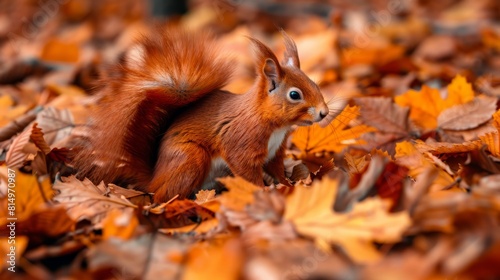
(162, 73)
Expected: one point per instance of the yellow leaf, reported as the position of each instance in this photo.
(119, 223)
(311, 211)
(334, 137)
(30, 195)
(459, 92)
(426, 104)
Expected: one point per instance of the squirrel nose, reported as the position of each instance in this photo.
(322, 114)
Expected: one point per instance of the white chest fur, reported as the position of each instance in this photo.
(275, 141)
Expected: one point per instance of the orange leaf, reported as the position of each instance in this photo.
(218, 259)
(496, 120)
(119, 223)
(492, 141)
(333, 138)
(240, 193)
(59, 51)
(427, 104)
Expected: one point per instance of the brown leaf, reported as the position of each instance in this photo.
(38, 140)
(84, 200)
(16, 156)
(56, 124)
(383, 114)
(204, 196)
(447, 148)
(469, 115)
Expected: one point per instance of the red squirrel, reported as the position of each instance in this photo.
(166, 126)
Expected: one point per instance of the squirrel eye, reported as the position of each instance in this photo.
(294, 95)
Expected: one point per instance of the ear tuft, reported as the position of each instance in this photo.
(291, 56)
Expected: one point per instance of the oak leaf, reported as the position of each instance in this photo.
(333, 138)
(310, 210)
(84, 200)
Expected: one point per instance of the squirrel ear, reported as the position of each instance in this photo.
(267, 63)
(270, 69)
(291, 57)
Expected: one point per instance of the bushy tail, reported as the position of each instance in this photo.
(163, 72)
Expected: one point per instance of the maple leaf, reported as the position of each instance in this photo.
(333, 138)
(310, 211)
(427, 104)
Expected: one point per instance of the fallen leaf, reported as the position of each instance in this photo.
(204, 196)
(178, 213)
(333, 138)
(240, 193)
(426, 104)
(119, 223)
(31, 195)
(469, 115)
(310, 210)
(84, 200)
(205, 259)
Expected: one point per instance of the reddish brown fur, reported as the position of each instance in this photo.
(235, 128)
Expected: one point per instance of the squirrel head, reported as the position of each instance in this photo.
(284, 87)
